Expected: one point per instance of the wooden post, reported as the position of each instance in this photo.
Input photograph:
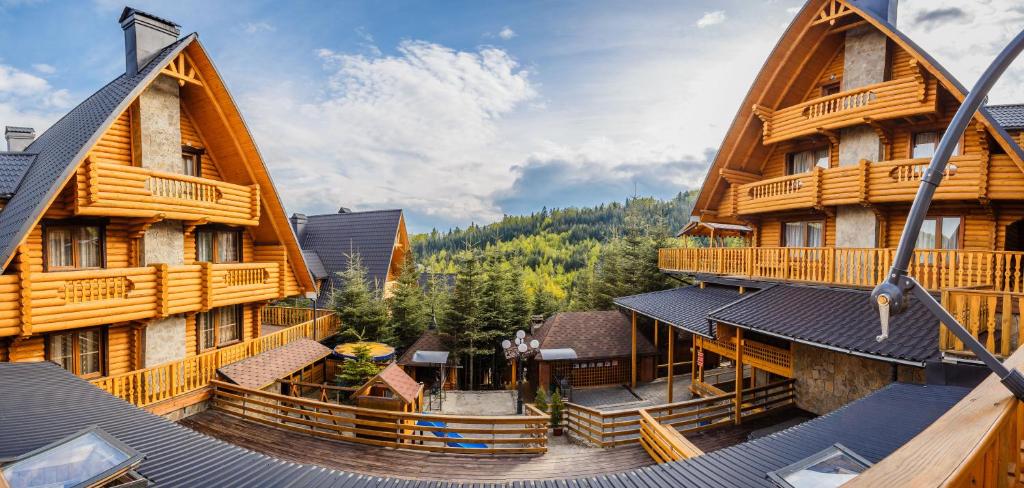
(671, 358)
(632, 369)
(738, 383)
(656, 341)
(515, 366)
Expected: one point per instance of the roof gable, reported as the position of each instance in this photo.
(809, 43)
(597, 334)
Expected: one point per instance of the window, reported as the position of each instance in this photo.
(805, 161)
(80, 352)
(923, 144)
(803, 234)
(73, 247)
(191, 161)
(829, 468)
(830, 89)
(219, 246)
(219, 327)
(91, 457)
(939, 233)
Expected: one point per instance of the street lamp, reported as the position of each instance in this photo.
(519, 351)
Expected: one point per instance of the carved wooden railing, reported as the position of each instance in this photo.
(111, 189)
(992, 317)
(977, 443)
(865, 267)
(887, 100)
(863, 183)
(165, 381)
(509, 434)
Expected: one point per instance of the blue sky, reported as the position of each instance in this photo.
(459, 112)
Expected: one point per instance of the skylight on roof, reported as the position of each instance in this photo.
(827, 469)
(84, 459)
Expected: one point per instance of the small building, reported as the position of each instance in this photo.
(427, 361)
(283, 369)
(328, 241)
(602, 343)
(391, 389)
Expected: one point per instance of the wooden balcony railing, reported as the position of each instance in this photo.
(992, 317)
(861, 267)
(888, 100)
(39, 303)
(866, 182)
(977, 443)
(162, 382)
(126, 191)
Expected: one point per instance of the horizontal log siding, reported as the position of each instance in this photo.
(191, 135)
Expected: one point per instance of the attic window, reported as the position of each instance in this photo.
(827, 469)
(88, 458)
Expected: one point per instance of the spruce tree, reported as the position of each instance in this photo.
(357, 371)
(363, 315)
(410, 312)
(461, 326)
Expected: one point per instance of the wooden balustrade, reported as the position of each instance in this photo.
(863, 267)
(992, 317)
(887, 100)
(977, 443)
(866, 182)
(620, 427)
(511, 434)
(165, 381)
(664, 444)
(110, 189)
(72, 299)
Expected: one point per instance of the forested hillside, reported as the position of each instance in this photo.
(556, 249)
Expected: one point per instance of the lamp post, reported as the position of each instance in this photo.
(519, 351)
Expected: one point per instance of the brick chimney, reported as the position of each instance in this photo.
(144, 36)
(19, 138)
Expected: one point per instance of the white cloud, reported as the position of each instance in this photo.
(44, 68)
(711, 18)
(417, 129)
(28, 100)
(255, 27)
(506, 33)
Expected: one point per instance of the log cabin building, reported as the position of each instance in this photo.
(143, 226)
(816, 175)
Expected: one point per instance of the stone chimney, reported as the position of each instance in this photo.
(886, 9)
(144, 36)
(298, 221)
(19, 138)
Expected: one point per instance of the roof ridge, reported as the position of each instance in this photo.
(378, 210)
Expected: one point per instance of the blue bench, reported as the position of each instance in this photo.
(449, 435)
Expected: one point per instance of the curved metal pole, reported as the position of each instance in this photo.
(890, 295)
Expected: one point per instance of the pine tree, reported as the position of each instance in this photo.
(544, 303)
(410, 312)
(461, 326)
(357, 371)
(363, 315)
(518, 302)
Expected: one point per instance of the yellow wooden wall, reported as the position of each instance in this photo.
(191, 135)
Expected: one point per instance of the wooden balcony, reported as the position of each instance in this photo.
(898, 98)
(864, 183)
(37, 303)
(117, 190)
(992, 317)
(935, 269)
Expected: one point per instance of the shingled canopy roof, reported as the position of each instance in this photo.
(685, 307)
(397, 380)
(849, 323)
(335, 237)
(429, 340)
(599, 334)
(264, 369)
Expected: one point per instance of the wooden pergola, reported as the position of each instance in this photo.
(714, 230)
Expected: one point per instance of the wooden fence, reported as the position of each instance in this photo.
(165, 381)
(619, 427)
(514, 434)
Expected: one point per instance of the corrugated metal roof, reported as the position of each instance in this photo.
(334, 237)
(60, 149)
(838, 318)
(686, 307)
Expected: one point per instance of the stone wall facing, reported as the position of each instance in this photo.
(827, 380)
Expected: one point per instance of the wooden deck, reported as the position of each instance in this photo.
(563, 460)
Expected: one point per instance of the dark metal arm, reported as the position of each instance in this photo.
(890, 295)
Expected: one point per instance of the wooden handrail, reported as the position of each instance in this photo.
(161, 382)
(663, 443)
(975, 443)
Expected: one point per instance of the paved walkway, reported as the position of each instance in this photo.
(563, 460)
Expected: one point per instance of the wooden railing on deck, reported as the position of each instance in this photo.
(934, 268)
(977, 443)
(664, 444)
(157, 383)
(619, 427)
(991, 317)
(511, 434)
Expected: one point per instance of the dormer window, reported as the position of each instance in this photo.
(805, 161)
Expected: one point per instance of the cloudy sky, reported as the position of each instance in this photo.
(460, 111)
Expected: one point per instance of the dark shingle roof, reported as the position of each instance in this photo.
(333, 237)
(837, 318)
(1011, 117)
(13, 166)
(60, 149)
(873, 427)
(685, 307)
(316, 267)
(429, 340)
(600, 334)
